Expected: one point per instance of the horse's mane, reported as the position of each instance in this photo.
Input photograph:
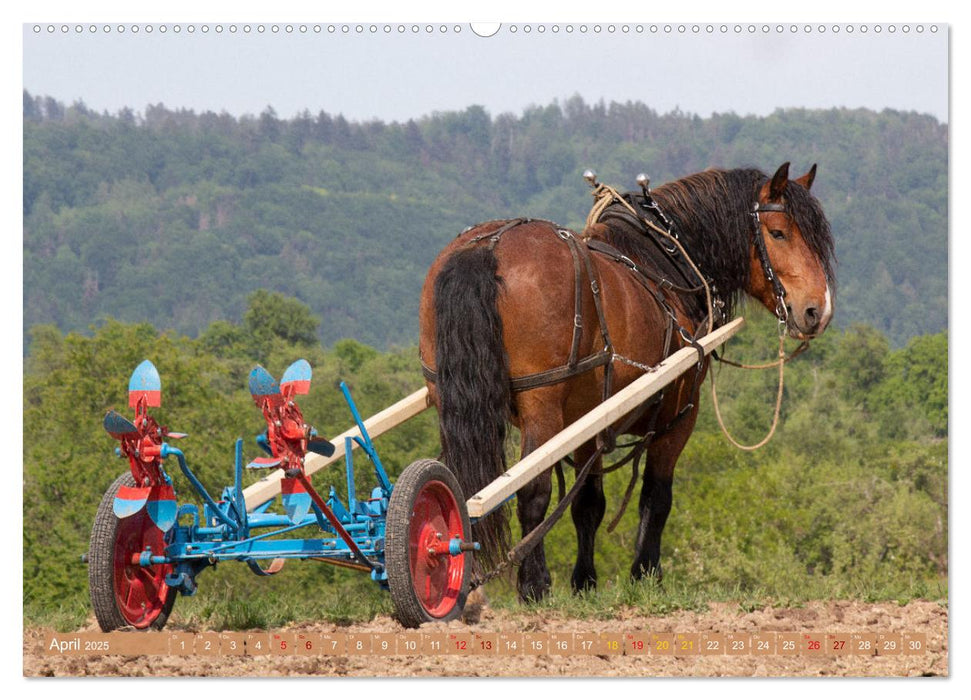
(711, 211)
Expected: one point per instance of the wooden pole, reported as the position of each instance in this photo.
(409, 407)
(604, 415)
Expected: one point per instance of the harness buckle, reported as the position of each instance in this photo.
(781, 312)
(578, 321)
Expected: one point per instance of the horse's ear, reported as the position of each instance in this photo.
(779, 181)
(807, 179)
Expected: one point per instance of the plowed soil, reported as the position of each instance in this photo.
(929, 618)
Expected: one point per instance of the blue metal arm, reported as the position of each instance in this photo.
(200, 489)
(365, 440)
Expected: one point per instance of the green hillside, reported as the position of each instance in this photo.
(174, 218)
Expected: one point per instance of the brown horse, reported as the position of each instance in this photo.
(518, 299)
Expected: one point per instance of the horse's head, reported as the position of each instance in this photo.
(797, 251)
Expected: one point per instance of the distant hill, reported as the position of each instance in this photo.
(174, 217)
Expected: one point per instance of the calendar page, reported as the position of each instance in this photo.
(498, 240)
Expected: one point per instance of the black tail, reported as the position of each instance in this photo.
(473, 383)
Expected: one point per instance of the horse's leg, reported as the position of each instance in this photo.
(539, 424)
(655, 499)
(532, 501)
(655, 505)
(587, 511)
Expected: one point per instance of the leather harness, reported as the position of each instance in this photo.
(778, 289)
(656, 282)
(581, 262)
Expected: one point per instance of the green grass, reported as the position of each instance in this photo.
(71, 614)
(231, 598)
(353, 599)
(648, 597)
(341, 607)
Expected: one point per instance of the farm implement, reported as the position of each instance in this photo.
(145, 548)
(412, 537)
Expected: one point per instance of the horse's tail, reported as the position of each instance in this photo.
(473, 383)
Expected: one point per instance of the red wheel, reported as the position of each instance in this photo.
(123, 593)
(436, 576)
(425, 514)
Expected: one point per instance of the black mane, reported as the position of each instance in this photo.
(711, 212)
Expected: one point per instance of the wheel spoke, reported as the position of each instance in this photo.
(151, 585)
(134, 594)
(142, 591)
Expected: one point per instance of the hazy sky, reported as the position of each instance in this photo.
(397, 75)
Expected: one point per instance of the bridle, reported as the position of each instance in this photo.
(758, 240)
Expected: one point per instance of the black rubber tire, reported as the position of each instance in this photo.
(409, 609)
(101, 573)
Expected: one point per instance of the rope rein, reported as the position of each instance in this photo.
(781, 362)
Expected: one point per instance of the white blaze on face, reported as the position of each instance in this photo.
(827, 308)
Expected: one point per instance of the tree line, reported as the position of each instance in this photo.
(173, 217)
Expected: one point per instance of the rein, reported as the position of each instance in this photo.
(779, 362)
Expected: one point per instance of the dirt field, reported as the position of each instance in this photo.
(837, 617)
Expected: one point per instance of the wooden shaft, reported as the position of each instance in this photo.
(409, 407)
(604, 415)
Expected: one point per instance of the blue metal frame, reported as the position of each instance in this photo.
(224, 532)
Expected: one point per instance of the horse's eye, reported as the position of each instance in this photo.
(777, 234)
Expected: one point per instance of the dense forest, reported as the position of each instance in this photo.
(174, 218)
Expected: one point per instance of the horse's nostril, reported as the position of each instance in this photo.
(812, 317)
